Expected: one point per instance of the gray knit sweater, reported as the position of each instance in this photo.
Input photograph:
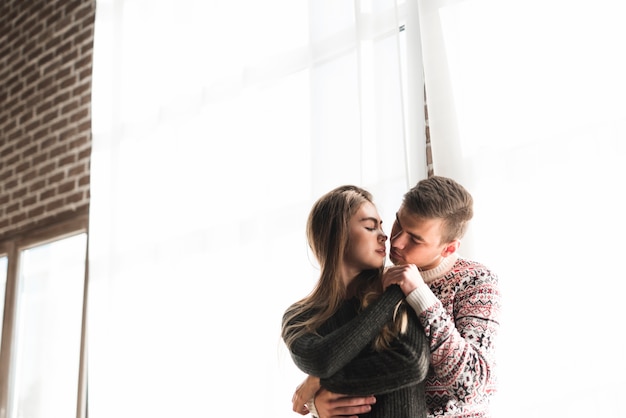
(341, 355)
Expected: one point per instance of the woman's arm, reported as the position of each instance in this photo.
(405, 363)
(325, 355)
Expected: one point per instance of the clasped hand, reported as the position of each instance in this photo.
(407, 276)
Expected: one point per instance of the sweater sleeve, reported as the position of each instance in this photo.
(324, 355)
(462, 345)
(405, 363)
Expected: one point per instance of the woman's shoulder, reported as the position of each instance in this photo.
(297, 311)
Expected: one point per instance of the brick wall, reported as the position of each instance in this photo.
(45, 117)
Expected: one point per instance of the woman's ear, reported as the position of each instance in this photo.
(450, 248)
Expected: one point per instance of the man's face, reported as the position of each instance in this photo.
(416, 240)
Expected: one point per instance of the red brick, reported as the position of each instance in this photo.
(18, 218)
(74, 198)
(47, 194)
(75, 171)
(67, 160)
(19, 194)
(36, 186)
(56, 177)
(83, 181)
(44, 170)
(36, 212)
(66, 187)
(12, 208)
(59, 150)
(54, 205)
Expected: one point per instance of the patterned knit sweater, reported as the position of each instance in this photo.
(459, 309)
(341, 355)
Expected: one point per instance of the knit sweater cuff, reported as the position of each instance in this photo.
(421, 299)
(311, 407)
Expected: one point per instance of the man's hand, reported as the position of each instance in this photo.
(407, 276)
(304, 393)
(332, 405)
(328, 404)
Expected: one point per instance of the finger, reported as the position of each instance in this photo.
(333, 405)
(395, 273)
(299, 406)
(348, 406)
(387, 281)
(350, 401)
(300, 410)
(351, 411)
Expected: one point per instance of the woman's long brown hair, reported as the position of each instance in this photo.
(328, 238)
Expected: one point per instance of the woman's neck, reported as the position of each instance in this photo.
(347, 277)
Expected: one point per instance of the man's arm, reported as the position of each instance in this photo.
(463, 346)
(333, 405)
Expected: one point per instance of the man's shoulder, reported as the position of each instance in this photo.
(474, 272)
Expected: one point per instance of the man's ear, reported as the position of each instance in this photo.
(450, 248)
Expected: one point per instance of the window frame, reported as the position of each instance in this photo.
(11, 247)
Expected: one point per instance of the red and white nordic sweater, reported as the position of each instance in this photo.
(459, 309)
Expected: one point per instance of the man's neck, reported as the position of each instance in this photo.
(440, 270)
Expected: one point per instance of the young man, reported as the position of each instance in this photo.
(457, 301)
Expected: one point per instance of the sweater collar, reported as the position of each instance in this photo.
(441, 270)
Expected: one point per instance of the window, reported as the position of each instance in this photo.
(43, 277)
(3, 284)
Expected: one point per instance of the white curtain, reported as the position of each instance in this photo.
(216, 125)
(526, 107)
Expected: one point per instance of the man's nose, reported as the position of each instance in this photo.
(398, 240)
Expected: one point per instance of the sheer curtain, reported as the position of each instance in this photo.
(526, 107)
(216, 125)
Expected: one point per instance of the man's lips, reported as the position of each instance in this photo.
(394, 254)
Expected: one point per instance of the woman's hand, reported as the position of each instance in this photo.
(304, 393)
(407, 276)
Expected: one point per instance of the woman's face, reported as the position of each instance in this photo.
(366, 249)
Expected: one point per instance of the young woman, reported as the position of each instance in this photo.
(357, 339)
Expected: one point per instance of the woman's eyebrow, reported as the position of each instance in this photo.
(371, 218)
